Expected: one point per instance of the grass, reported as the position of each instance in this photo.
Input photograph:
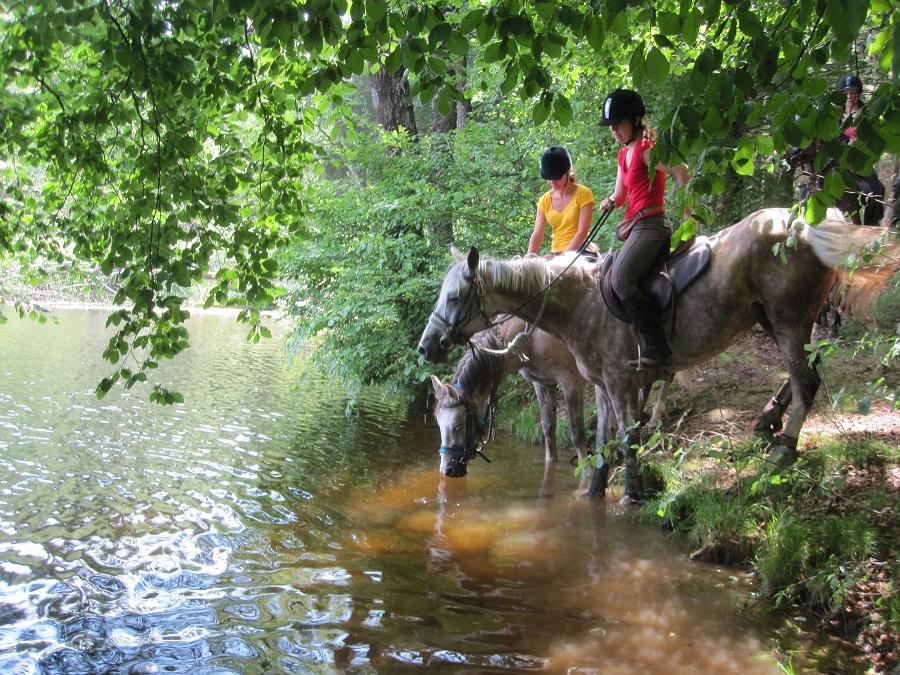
(822, 534)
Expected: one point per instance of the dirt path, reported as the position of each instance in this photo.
(734, 387)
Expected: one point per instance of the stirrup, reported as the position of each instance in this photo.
(661, 366)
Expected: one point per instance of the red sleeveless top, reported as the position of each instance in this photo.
(636, 179)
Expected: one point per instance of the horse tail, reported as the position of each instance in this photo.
(865, 259)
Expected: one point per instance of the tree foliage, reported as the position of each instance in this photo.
(169, 142)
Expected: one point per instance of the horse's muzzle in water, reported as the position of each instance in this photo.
(453, 462)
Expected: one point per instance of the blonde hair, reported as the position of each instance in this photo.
(648, 133)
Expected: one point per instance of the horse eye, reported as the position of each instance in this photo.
(457, 427)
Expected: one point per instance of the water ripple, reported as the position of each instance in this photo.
(256, 529)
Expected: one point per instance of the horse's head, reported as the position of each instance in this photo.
(458, 313)
(461, 428)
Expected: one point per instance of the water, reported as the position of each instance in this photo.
(257, 529)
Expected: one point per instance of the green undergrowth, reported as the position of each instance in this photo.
(823, 533)
(518, 413)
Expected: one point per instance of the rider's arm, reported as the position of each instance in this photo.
(537, 236)
(617, 198)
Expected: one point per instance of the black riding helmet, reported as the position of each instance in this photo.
(555, 162)
(622, 104)
(850, 82)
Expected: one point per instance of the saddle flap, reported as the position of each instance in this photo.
(684, 268)
(665, 281)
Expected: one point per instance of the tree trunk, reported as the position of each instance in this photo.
(393, 104)
(460, 111)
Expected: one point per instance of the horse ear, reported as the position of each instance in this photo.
(440, 389)
(472, 262)
(456, 253)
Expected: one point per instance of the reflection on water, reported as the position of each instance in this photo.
(256, 529)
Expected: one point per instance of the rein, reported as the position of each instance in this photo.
(479, 430)
(516, 345)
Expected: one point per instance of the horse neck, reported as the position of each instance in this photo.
(479, 372)
(515, 287)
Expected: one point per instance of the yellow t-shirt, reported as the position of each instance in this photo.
(564, 224)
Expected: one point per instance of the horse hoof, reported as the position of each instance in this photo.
(627, 500)
(767, 429)
(782, 456)
(599, 482)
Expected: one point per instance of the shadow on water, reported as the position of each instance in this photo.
(257, 529)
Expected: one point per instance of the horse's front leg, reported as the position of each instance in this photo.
(573, 393)
(804, 381)
(546, 396)
(605, 432)
(606, 419)
(769, 423)
(659, 408)
(624, 394)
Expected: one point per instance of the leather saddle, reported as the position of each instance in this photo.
(668, 278)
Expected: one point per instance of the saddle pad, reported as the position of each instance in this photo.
(664, 282)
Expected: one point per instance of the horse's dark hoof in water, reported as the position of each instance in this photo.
(599, 482)
(784, 453)
(634, 489)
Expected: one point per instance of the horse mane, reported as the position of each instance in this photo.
(476, 366)
(528, 275)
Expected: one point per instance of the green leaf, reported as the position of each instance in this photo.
(458, 44)
(394, 61)
(657, 66)
(540, 112)
(815, 86)
(445, 105)
(375, 11)
(619, 25)
(512, 77)
(765, 145)
(355, 62)
(750, 25)
(815, 209)
(833, 186)
(690, 28)
(596, 33)
(282, 29)
(494, 52)
(471, 20)
(562, 109)
(668, 23)
(552, 48)
(742, 162)
(486, 29)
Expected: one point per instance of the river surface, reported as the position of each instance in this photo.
(257, 528)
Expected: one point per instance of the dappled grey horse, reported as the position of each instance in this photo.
(462, 407)
(745, 284)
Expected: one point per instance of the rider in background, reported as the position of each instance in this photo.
(567, 205)
(869, 194)
(645, 230)
(871, 189)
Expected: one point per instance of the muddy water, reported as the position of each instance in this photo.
(257, 529)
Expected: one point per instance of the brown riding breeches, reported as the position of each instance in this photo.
(648, 239)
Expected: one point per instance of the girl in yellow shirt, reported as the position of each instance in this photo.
(567, 205)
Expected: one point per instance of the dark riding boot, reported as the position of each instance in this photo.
(645, 317)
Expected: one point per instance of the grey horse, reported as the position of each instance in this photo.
(745, 284)
(461, 408)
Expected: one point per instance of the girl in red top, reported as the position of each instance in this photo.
(645, 230)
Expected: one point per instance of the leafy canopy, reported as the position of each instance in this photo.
(171, 142)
